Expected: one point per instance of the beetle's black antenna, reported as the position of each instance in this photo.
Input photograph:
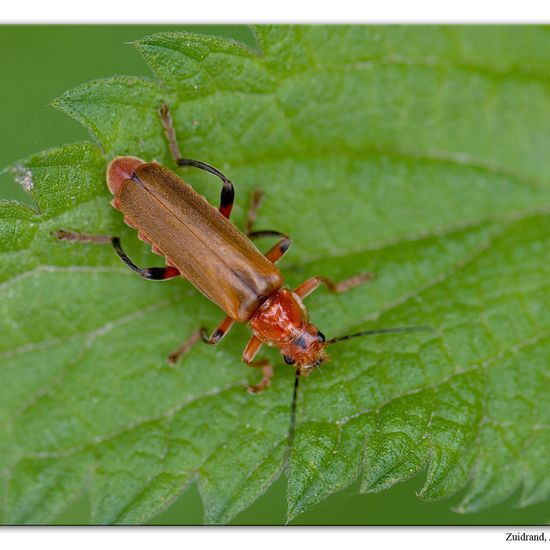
(379, 331)
(292, 427)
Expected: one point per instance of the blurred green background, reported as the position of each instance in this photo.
(39, 64)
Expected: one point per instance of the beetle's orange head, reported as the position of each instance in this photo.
(307, 351)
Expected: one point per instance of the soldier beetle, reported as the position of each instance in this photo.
(200, 244)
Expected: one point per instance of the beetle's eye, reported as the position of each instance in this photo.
(321, 336)
(288, 360)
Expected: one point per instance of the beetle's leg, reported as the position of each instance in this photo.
(252, 348)
(219, 333)
(307, 287)
(149, 273)
(275, 253)
(267, 375)
(199, 334)
(227, 197)
(73, 237)
(169, 130)
(185, 347)
(255, 202)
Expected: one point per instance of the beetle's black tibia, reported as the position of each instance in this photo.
(227, 197)
(199, 334)
(275, 253)
(218, 333)
(149, 273)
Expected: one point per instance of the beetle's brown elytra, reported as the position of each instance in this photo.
(200, 243)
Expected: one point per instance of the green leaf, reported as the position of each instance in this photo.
(419, 153)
